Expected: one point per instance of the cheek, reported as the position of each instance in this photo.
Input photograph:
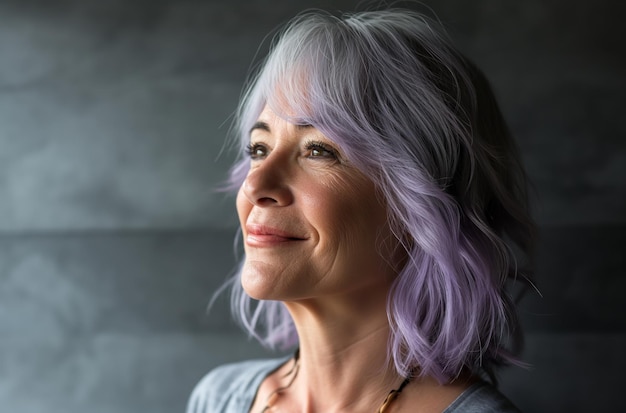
(349, 217)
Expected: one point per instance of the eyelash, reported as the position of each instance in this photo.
(311, 145)
(253, 148)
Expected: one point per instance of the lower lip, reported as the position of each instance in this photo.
(266, 240)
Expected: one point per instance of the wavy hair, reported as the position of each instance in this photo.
(417, 117)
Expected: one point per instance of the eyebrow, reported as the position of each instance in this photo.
(260, 125)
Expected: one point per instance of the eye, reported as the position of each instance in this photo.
(321, 150)
(256, 150)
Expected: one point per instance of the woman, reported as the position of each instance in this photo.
(380, 198)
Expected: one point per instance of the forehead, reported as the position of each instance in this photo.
(270, 122)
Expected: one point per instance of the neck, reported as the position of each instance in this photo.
(343, 363)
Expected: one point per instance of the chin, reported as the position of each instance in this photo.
(259, 281)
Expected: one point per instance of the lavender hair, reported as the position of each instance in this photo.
(416, 116)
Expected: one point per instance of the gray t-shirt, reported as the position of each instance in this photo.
(231, 389)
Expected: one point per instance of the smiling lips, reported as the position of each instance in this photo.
(264, 236)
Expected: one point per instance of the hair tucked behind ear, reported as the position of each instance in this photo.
(421, 121)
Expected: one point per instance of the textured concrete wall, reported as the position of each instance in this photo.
(112, 119)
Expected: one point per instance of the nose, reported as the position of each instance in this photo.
(267, 185)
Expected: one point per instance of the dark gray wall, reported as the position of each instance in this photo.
(112, 118)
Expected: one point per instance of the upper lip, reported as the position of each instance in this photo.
(261, 229)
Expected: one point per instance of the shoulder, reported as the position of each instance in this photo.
(482, 397)
(231, 387)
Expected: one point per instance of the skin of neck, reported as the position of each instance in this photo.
(343, 360)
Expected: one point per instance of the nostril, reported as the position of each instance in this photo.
(266, 201)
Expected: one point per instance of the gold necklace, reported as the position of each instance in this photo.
(271, 399)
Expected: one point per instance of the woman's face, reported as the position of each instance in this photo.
(312, 224)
